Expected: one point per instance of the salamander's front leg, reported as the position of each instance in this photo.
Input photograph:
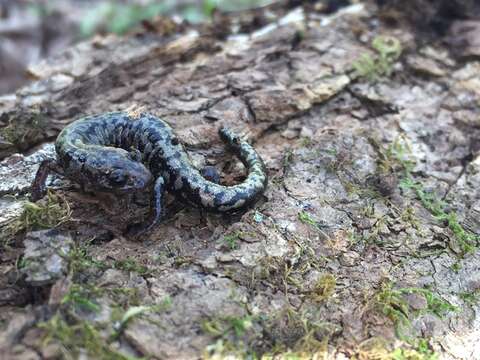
(156, 211)
(38, 188)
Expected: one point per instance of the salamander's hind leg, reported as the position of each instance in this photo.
(211, 174)
(38, 188)
(156, 211)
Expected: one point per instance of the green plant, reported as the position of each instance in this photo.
(379, 349)
(79, 297)
(372, 67)
(325, 287)
(209, 7)
(80, 259)
(308, 219)
(470, 297)
(231, 240)
(392, 303)
(228, 332)
(24, 126)
(435, 304)
(397, 158)
(129, 264)
(76, 338)
(223, 326)
(117, 17)
(50, 212)
(466, 240)
(135, 311)
(412, 354)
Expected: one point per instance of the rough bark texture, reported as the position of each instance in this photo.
(365, 240)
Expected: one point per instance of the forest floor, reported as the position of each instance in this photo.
(365, 244)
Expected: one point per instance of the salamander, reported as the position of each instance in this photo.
(122, 153)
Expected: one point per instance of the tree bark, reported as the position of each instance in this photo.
(366, 239)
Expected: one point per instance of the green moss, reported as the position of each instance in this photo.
(80, 260)
(380, 349)
(392, 303)
(261, 337)
(293, 334)
(231, 240)
(308, 219)
(117, 18)
(355, 238)
(299, 333)
(229, 333)
(136, 311)
(456, 267)
(306, 142)
(79, 337)
(397, 158)
(76, 335)
(223, 349)
(223, 326)
(130, 264)
(9, 133)
(466, 240)
(125, 296)
(412, 354)
(373, 67)
(435, 304)
(69, 326)
(470, 297)
(81, 298)
(48, 213)
(325, 287)
(182, 260)
(23, 127)
(274, 270)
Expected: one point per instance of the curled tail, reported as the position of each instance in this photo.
(217, 197)
(257, 173)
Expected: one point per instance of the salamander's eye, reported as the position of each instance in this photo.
(117, 178)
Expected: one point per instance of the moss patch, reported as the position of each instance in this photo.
(372, 67)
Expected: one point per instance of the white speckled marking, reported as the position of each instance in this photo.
(178, 183)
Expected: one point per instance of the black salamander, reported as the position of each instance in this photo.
(119, 153)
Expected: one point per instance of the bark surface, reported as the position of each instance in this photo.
(366, 240)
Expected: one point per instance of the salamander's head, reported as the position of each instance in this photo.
(112, 170)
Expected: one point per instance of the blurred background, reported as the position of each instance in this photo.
(34, 29)
(31, 30)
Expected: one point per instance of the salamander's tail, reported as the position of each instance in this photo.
(245, 152)
(255, 183)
